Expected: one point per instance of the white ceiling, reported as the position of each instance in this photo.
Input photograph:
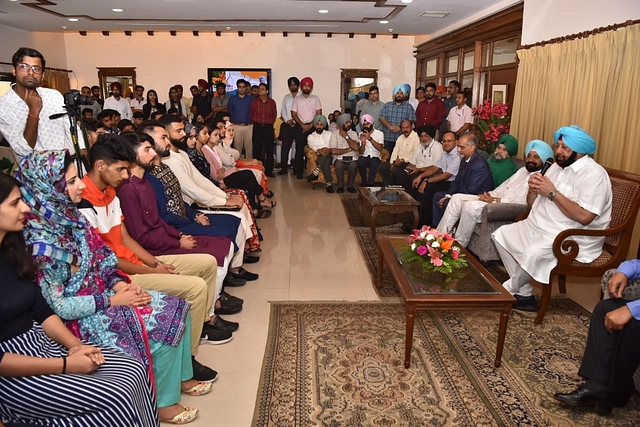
(294, 16)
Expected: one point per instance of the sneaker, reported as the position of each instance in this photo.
(228, 308)
(213, 336)
(203, 373)
(250, 259)
(330, 189)
(219, 324)
(244, 274)
(312, 176)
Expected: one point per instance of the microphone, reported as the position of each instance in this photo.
(546, 166)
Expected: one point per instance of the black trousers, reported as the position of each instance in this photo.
(286, 136)
(301, 140)
(400, 177)
(426, 201)
(386, 172)
(263, 145)
(245, 180)
(611, 358)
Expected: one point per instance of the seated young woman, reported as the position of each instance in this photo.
(77, 274)
(40, 358)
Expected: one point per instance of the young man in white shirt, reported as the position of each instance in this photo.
(371, 144)
(460, 117)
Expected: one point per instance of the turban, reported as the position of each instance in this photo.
(305, 81)
(203, 83)
(576, 139)
(351, 96)
(400, 88)
(115, 84)
(294, 80)
(361, 94)
(407, 86)
(542, 148)
(368, 117)
(429, 129)
(320, 118)
(441, 89)
(344, 118)
(510, 143)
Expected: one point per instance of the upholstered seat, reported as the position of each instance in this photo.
(312, 163)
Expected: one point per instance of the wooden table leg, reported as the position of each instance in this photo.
(411, 317)
(502, 331)
(416, 217)
(380, 263)
(372, 222)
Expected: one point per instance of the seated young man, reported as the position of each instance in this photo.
(371, 144)
(320, 142)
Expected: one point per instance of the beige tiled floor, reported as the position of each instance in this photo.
(309, 253)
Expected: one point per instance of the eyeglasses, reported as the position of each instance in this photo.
(26, 67)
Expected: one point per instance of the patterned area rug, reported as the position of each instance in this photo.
(340, 364)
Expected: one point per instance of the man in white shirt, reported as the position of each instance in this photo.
(344, 147)
(574, 193)
(138, 100)
(26, 108)
(426, 154)
(468, 207)
(288, 125)
(403, 150)
(320, 142)
(117, 102)
(460, 117)
(303, 109)
(371, 144)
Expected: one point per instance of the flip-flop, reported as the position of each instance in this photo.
(263, 214)
(273, 205)
(269, 194)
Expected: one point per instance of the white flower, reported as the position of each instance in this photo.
(423, 234)
(430, 237)
(414, 245)
(435, 245)
(455, 248)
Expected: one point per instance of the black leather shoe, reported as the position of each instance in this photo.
(224, 325)
(234, 282)
(602, 401)
(248, 259)
(351, 190)
(228, 307)
(271, 175)
(244, 274)
(203, 373)
(330, 189)
(340, 190)
(233, 300)
(299, 176)
(312, 177)
(525, 303)
(282, 172)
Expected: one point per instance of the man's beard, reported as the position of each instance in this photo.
(568, 161)
(532, 166)
(180, 143)
(162, 153)
(499, 156)
(146, 166)
(429, 96)
(319, 131)
(368, 129)
(399, 98)
(306, 91)
(425, 143)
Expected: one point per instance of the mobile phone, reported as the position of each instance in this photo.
(408, 171)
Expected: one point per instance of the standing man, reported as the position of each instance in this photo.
(95, 94)
(574, 193)
(263, 113)
(174, 101)
(138, 100)
(303, 111)
(95, 107)
(288, 124)
(392, 115)
(201, 102)
(219, 102)
(460, 117)
(240, 118)
(117, 102)
(25, 109)
(430, 110)
(374, 107)
(449, 102)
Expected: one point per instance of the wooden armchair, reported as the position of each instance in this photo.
(625, 189)
(312, 163)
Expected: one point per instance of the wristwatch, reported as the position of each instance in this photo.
(552, 195)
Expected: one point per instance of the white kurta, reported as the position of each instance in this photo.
(530, 242)
(427, 156)
(121, 105)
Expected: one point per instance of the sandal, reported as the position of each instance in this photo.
(199, 389)
(263, 214)
(271, 204)
(269, 194)
(186, 416)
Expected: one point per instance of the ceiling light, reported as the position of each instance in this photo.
(118, 10)
(323, 11)
(384, 22)
(406, 1)
(434, 14)
(73, 19)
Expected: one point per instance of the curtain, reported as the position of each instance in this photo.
(592, 82)
(58, 80)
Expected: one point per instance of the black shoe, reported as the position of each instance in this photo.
(233, 300)
(203, 373)
(213, 336)
(248, 259)
(283, 171)
(244, 274)
(271, 175)
(525, 303)
(603, 401)
(351, 190)
(219, 324)
(340, 190)
(234, 282)
(330, 189)
(299, 176)
(228, 307)
(312, 177)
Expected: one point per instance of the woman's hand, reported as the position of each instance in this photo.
(130, 296)
(85, 359)
(188, 242)
(94, 353)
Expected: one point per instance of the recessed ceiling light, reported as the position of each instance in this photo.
(384, 22)
(323, 11)
(406, 1)
(73, 19)
(118, 10)
(434, 14)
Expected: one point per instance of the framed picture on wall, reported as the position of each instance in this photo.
(498, 94)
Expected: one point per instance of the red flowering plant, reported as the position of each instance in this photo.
(435, 251)
(493, 121)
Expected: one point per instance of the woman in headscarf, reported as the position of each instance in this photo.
(47, 375)
(77, 274)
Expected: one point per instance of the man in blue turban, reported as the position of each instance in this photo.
(575, 192)
(392, 115)
(467, 208)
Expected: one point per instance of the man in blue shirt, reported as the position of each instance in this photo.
(392, 115)
(238, 108)
(612, 354)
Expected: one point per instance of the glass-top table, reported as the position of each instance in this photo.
(386, 199)
(470, 287)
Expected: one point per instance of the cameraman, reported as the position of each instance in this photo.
(26, 108)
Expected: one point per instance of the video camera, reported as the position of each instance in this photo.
(73, 100)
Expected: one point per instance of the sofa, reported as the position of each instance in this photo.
(312, 163)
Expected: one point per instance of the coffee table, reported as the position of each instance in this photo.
(392, 200)
(473, 288)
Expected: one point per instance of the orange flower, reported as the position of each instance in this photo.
(446, 245)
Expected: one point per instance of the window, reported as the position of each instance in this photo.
(467, 65)
(431, 67)
(452, 64)
(504, 51)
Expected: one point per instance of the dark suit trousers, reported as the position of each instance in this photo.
(400, 177)
(263, 145)
(301, 140)
(286, 136)
(387, 172)
(611, 358)
(372, 163)
(426, 201)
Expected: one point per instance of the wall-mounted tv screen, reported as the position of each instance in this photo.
(229, 76)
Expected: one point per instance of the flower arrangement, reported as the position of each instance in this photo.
(435, 251)
(493, 121)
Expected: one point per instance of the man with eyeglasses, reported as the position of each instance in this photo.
(26, 108)
(238, 107)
